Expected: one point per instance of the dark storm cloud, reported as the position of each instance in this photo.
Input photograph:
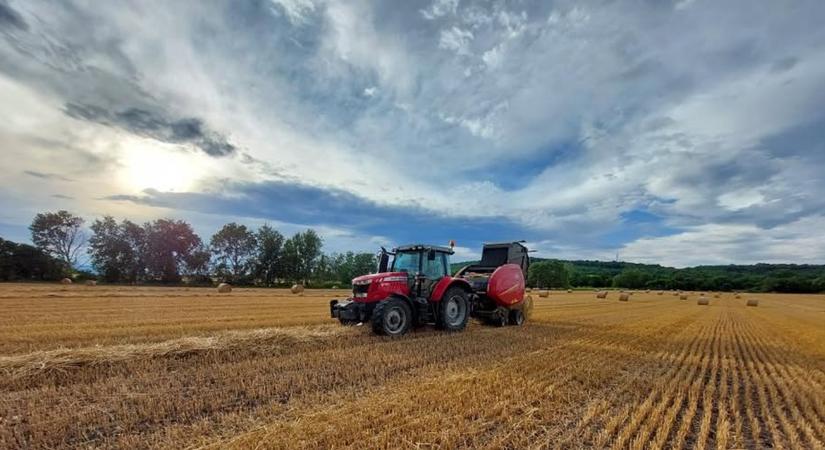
(190, 130)
(303, 204)
(11, 18)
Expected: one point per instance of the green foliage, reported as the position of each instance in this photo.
(269, 254)
(59, 234)
(116, 250)
(234, 247)
(548, 274)
(21, 262)
(169, 244)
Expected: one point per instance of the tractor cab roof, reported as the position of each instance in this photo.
(423, 247)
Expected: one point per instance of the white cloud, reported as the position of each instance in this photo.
(440, 8)
(456, 39)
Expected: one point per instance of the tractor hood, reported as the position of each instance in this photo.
(399, 277)
(378, 286)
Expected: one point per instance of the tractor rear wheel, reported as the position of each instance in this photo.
(454, 310)
(391, 317)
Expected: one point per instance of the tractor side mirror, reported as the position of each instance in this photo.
(383, 262)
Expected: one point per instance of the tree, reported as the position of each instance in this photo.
(198, 263)
(25, 262)
(290, 259)
(631, 279)
(169, 244)
(117, 250)
(269, 253)
(548, 274)
(234, 245)
(59, 234)
(308, 245)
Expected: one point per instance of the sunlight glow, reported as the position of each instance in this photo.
(159, 167)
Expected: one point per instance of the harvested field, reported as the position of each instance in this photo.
(173, 368)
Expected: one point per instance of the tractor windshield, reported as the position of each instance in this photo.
(406, 262)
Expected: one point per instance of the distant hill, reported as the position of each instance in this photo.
(755, 277)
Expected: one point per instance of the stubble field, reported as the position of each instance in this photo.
(136, 367)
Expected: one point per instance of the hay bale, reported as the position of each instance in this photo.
(570, 291)
(544, 294)
(224, 288)
(66, 281)
(660, 293)
(753, 302)
(647, 291)
(335, 287)
(738, 296)
(297, 288)
(91, 282)
(601, 294)
(682, 296)
(529, 290)
(715, 295)
(624, 297)
(703, 301)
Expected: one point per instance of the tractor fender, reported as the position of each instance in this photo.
(446, 283)
(404, 298)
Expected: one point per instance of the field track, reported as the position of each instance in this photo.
(136, 367)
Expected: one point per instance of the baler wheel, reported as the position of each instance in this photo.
(392, 317)
(517, 317)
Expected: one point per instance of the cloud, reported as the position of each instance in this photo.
(11, 18)
(47, 176)
(440, 8)
(190, 130)
(557, 122)
(456, 39)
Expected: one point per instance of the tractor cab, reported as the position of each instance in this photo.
(424, 265)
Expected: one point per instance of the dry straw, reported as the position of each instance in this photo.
(703, 301)
(624, 297)
(224, 288)
(91, 283)
(602, 294)
(753, 302)
(544, 293)
(65, 281)
(683, 296)
(297, 288)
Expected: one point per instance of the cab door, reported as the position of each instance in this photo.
(433, 269)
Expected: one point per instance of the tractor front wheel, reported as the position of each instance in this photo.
(454, 310)
(391, 317)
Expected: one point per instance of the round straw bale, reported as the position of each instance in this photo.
(715, 295)
(601, 294)
(703, 301)
(297, 288)
(738, 296)
(661, 293)
(224, 288)
(544, 294)
(753, 302)
(66, 281)
(570, 291)
(683, 296)
(91, 282)
(624, 297)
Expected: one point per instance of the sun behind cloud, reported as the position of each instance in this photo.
(160, 167)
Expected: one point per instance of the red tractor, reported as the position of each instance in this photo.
(416, 288)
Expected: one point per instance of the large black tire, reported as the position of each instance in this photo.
(454, 310)
(517, 317)
(392, 317)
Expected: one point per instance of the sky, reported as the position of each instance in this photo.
(678, 133)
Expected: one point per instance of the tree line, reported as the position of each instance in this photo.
(789, 278)
(169, 251)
